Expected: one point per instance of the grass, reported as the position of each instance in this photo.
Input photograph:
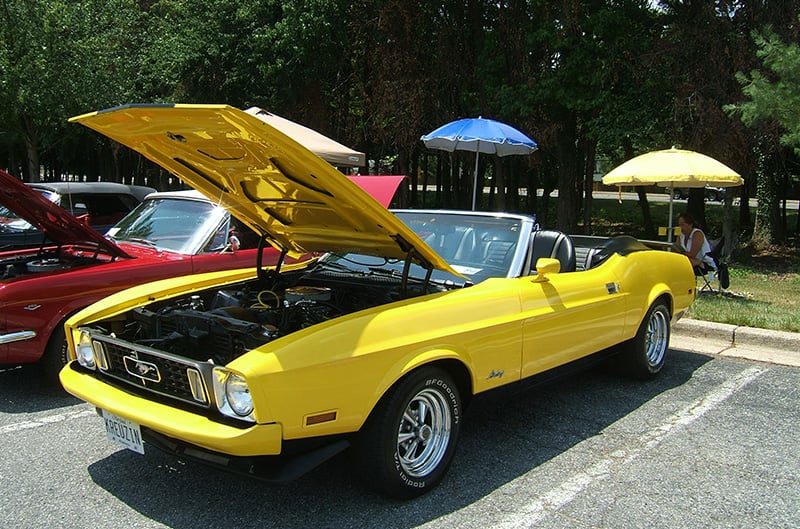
(764, 287)
(767, 301)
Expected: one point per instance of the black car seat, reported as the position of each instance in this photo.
(553, 244)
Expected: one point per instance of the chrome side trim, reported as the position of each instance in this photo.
(17, 337)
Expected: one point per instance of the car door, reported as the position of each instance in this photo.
(569, 315)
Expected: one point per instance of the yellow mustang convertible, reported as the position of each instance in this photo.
(378, 345)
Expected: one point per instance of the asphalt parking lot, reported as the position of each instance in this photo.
(708, 443)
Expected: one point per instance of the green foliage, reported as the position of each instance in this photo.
(774, 100)
(59, 58)
(586, 79)
(774, 96)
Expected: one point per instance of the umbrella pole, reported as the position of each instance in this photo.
(671, 197)
(475, 176)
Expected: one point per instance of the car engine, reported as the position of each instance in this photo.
(221, 325)
(40, 262)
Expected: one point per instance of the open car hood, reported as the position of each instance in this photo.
(58, 224)
(264, 178)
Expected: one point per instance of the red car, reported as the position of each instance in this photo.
(169, 234)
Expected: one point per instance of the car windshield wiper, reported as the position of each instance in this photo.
(433, 280)
(335, 265)
(389, 272)
(142, 241)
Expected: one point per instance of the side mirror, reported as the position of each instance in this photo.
(545, 266)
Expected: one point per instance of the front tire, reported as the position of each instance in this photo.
(55, 355)
(407, 444)
(644, 355)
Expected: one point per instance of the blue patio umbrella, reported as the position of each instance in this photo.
(479, 135)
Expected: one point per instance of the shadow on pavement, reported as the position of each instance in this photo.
(507, 433)
(25, 389)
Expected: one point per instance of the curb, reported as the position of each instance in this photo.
(738, 336)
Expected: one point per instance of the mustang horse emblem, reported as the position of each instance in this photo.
(141, 369)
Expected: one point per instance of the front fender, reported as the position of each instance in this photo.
(339, 370)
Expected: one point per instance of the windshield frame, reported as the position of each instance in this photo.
(445, 231)
(183, 225)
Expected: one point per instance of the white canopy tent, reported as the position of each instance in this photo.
(329, 150)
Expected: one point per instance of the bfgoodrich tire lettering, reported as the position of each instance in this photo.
(408, 442)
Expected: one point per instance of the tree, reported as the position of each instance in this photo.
(774, 100)
(633, 105)
(59, 58)
(34, 62)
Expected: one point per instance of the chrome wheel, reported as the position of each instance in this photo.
(644, 354)
(424, 432)
(408, 442)
(657, 338)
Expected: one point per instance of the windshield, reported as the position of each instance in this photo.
(476, 246)
(10, 221)
(169, 223)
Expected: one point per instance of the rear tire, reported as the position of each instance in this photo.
(644, 355)
(407, 444)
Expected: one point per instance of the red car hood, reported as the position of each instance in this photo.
(381, 188)
(58, 224)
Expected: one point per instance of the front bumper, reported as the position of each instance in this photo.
(274, 469)
(172, 422)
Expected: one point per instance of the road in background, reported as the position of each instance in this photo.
(627, 195)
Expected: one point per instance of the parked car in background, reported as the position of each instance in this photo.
(100, 205)
(167, 235)
(711, 194)
(379, 345)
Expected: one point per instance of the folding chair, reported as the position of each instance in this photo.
(719, 272)
(706, 275)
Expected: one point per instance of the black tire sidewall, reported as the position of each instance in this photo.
(377, 445)
(55, 355)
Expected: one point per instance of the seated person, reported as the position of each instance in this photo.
(692, 242)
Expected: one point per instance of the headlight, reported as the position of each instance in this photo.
(90, 354)
(84, 351)
(238, 395)
(233, 395)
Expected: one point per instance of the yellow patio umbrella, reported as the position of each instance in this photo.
(673, 168)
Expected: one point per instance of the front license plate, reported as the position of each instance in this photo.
(124, 432)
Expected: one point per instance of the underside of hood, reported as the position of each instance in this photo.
(265, 178)
(58, 224)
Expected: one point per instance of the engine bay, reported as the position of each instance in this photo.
(220, 325)
(27, 263)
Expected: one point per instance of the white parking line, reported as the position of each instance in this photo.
(44, 421)
(531, 513)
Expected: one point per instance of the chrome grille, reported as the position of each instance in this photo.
(170, 380)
